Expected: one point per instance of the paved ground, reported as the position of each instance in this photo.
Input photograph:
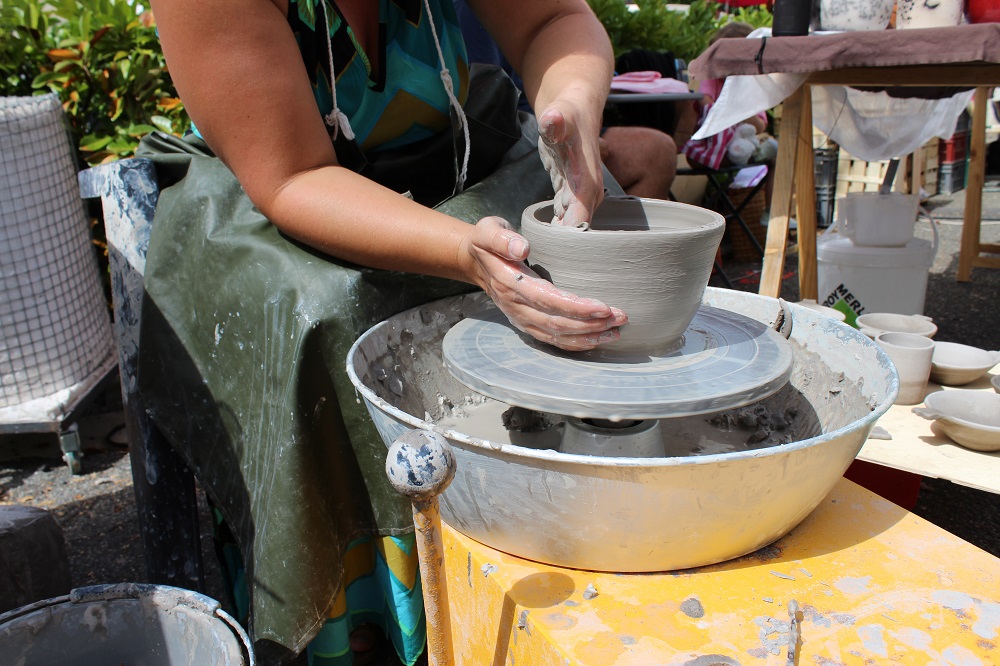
(96, 509)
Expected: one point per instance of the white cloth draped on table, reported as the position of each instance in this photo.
(869, 125)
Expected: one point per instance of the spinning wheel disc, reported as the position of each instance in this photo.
(725, 360)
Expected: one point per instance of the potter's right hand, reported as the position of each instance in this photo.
(532, 304)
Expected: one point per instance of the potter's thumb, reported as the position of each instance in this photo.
(501, 240)
(552, 126)
(513, 246)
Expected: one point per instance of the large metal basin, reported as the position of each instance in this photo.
(632, 514)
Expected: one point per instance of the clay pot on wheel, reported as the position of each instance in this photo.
(650, 258)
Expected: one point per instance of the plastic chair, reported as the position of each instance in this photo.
(164, 486)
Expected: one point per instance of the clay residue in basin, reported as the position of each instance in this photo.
(816, 400)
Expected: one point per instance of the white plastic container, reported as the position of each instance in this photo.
(855, 14)
(872, 219)
(856, 279)
(921, 14)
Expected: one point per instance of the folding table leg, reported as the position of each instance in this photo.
(781, 200)
(805, 187)
(970, 249)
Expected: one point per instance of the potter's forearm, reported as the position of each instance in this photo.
(350, 217)
(581, 74)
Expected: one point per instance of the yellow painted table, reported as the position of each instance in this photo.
(919, 446)
(866, 582)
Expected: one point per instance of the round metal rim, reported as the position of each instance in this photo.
(865, 423)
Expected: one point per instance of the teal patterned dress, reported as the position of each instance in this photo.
(404, 102)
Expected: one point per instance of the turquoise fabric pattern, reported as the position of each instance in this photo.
(388, 595)
(405, 100)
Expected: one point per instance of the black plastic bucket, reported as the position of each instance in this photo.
(128, 623)
(825, 164)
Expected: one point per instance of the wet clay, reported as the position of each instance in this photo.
(652, 259)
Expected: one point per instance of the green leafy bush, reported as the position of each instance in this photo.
(651, 25)
(103, 59)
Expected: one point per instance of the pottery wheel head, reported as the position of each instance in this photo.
(725, 360)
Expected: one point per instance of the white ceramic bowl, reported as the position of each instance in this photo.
(887, 322)
(971, 418)
(954, 364)
(995, 380)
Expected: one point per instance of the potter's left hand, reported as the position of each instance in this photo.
(569, 149)
(496, 255)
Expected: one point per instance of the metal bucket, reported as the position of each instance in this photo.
(154, 625)
(825, 161)
(631, 514)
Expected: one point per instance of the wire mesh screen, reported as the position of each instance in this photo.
(54, 326)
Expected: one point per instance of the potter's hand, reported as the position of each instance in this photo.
(572, 158)
(532, 304)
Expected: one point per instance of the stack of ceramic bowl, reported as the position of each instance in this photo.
(969, 416)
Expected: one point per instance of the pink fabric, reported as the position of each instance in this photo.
(711, 87)
(647, 82)
(710, 151)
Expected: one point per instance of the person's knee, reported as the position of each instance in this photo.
(642, 159)
(642, 145)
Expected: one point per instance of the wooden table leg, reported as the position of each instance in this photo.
(969, 250)
(781, 199)
(805, 187)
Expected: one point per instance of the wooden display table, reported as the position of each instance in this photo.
(859, 581)
(966, 56)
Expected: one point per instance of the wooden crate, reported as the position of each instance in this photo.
(929, 172)
(919, 170)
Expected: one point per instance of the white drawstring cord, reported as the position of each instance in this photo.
(450, 91)
(336, 118)
(339, 122)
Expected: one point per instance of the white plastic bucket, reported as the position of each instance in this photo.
(871, 219)
(857, 279)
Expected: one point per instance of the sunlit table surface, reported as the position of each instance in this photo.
(859, 581)
(921, 447)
